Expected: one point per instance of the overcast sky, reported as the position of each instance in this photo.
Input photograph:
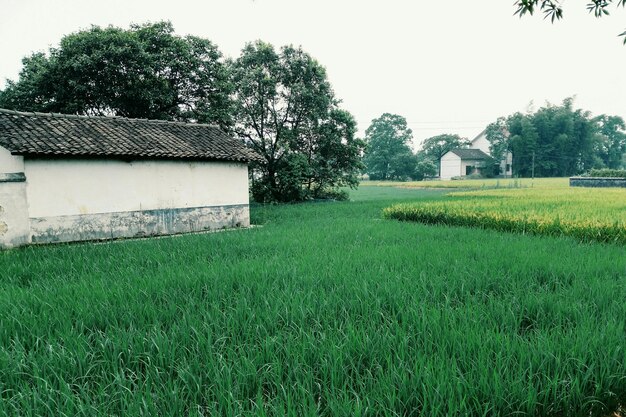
(447, 66)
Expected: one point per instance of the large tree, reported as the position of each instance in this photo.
(286, 111)
(557, 140)
(388, 155)
(611, 140)
(144, 72)
(424, 167)
(553, 10)
(498, 136)
(437, 146)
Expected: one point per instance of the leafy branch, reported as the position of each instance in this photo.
(553, 10)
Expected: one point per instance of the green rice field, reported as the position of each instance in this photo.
(588, 214)
(324, 309)
(476, 184)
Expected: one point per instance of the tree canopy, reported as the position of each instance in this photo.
(388, 155)
(144, 72)
(279, 102)
(498, 135)
(286, 110)
(558, 140)
(611, 140)
(553, 10)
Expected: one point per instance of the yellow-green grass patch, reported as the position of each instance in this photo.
(586, 214)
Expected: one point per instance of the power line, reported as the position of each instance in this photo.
(447, 127)
(447, 121)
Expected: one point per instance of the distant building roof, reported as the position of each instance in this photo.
(471, 154)
(41, 134)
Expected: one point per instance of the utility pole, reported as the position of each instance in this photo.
(532, 182)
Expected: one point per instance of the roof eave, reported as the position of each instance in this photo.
(39, 155)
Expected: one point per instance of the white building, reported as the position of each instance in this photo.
(67, 178)
(459, 163)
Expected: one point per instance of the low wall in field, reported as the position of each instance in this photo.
(597, 182)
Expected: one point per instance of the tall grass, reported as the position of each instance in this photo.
(324, 310)
(589, 214)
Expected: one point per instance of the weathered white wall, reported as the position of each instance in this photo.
(68, 187)
(10, 163)
(481, 143)
(143, 223)
(450, 166)
(14, 223)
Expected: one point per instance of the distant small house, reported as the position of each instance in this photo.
(463, 162)
(68, 178)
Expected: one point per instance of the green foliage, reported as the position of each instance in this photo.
(388, 154)
(287, 112)
(144, 72)
(497, 134)
(608, 173)
(558, 141)
(552, 8)
(323, 311)
(335, 194)
(334, 154)
(424, 168)
(491, 168)
(611, 140)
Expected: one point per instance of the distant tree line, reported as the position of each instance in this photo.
(279, 102)
(554, 141)
(558, 140)
(388, 153)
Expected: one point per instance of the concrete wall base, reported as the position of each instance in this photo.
(142, 223)
(597, 182)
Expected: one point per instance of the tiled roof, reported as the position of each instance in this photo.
(472, 154)
(40, 134)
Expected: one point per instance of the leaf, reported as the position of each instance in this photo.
(525, 6)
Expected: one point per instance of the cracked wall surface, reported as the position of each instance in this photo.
(143, 223)
(14, 225)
